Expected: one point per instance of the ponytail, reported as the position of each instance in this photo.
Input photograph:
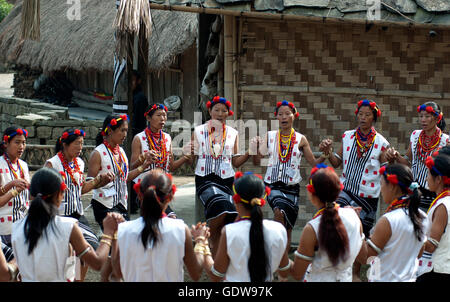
(404, 179)
(155, 190)
(333, 236)
(248, 191)
(151, 213)
(258, 262)
(40, 214)
(45, 184)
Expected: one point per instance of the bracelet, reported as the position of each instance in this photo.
(202, 238)
(141, 158)
(337, 156)
(95, 182)
(216, 273)
(107, 236)
(372, 245)
(206, 251)
(199, 248)
(287, 267)
(14, 192)
(106, 242)
(2, 190)
(304, 257)
(115, 237)
(140, 169)
(434, 242)
(84, 252)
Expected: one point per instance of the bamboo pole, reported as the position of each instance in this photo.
(289, 17)
(235, 64)
(220, 80)
(239, 52)
(228, 59)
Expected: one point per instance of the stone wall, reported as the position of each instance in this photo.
(45, 123)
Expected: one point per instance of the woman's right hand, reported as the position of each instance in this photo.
(20, 184)
(110, 224)
(200, 229)
(105, 179)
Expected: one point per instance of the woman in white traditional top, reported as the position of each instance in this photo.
(153, 248)
(362, 153)
(43, 242)
(155, 145)
(422, 144)
(109, 157)
(67, 159)
(284, 148)
(215, 146)
(252, 248)
(399, 236)
(435, 261)
(333, 240)
(14, 180)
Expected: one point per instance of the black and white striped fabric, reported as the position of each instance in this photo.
(355, 169)
(7, 251)
(418, 167)
(285, 198)
(216, 194)
(120, 64)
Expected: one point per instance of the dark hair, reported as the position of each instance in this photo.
(155, 185)
(248, 187)
(149, 107)
(8, 131)
(68, 140)
(437, 109)
(405, 178)
(333, 237)
(106, 123)
(45, 184)
(442, 163)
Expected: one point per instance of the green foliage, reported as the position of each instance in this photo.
(5, 8)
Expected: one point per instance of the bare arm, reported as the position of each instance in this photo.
(381, 235)
(312, 160)
(239, 160)
(306, 246)
(193, 261)
(438, 226)
(221, 261)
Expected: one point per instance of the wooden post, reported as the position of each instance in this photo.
(228, 56)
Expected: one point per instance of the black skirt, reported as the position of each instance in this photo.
(216, 195)
(285, 198)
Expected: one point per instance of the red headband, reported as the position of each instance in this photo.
(156, 107)
(310, 186)
(220, 100)
(18, 131)
(255, 201)
(430, 110)
(371, 104)
(289, 104)
(114, 122)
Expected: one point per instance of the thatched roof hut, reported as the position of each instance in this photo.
(89, 43)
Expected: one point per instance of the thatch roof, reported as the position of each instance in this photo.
(89, 42)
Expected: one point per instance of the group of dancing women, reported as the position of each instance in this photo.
(46, 237)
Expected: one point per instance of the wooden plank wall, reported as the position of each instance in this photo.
(326, 69)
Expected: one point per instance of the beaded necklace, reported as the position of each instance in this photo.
(216, 148)
(284, 153)
(156, 141)
(69, 170)
(320, 212)
(427, 144)
(440, 196)
(397, 203)
(121, 159)
(364, 141)
(14, 171)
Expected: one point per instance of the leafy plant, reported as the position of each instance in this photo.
(5, 8)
